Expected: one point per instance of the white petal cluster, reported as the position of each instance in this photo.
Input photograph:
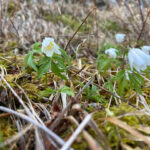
(112, 52)
(120, 37)
(138, 59)
(146, 49)
(49, 47)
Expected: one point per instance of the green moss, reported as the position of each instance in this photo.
(80, 144)
(31, 90)
(6, 129)
(12, 44)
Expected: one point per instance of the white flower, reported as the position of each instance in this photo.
(111, 52)
(49, 47)
(120, 37)
(146, 49)
(138, 59)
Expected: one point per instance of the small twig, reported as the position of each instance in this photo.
(79, 71)
(18, 36)
(5, 16)
(141, 13)
(143, 26)
(79, 27)
(77, 132)
(134, 20)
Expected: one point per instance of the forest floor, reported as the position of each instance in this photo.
(119, 118)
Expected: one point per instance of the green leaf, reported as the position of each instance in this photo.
(122, 81)
(65, 56)
(109, 85)
(136, 81)
(119, 75)
(37, 47)
(60, 62)
(32, 63)
(44, 68)
(43, 60)
(29, 60)
(67, 90)
(26, 61)
(103, 64)
(122, 85)
(47, 92)
(57, 70)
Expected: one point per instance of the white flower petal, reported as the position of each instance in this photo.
(49, 53)
(120, 37)
(138, 59)
(111, 52)
(146, 49)
(49, 47)
(57, 51)
(131, 60)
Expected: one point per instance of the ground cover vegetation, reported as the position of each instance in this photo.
(75, 75)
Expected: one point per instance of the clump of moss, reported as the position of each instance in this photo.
(6, 129)
(31, 90)
(80, 144)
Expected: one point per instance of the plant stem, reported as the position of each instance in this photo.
(46, 82)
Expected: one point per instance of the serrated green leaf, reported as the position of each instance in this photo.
(47, 92)
(67, 90)
(103, 64)
(44, 60)
(44, 68)
(26, 61)
(135, 83)
(57, 70)
(60, 62)
(122, 84)
(109, 86)
(65, 56)
(120, 75)
(37, 47)
(32, 63)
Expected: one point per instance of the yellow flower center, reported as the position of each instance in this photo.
(50, 46)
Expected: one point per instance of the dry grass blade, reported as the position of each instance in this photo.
(39, 141)
(129, 129)
(144, 129)
(77, 132)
